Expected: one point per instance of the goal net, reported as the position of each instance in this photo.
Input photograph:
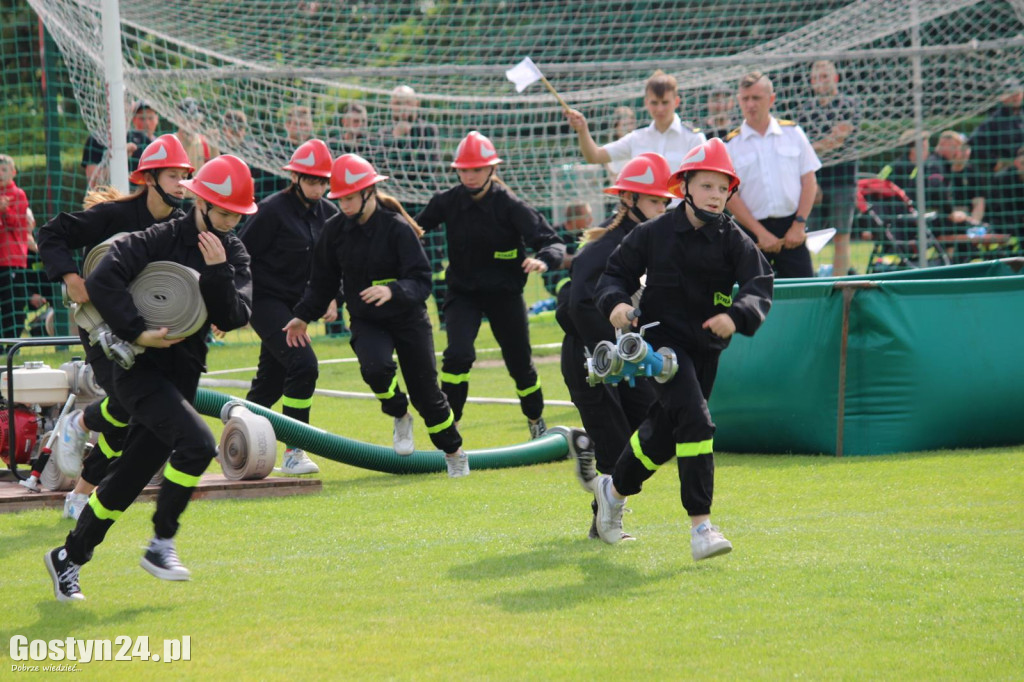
(274, 61)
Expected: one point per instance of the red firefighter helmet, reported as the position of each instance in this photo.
(311, 158)
(475, 151)
(225, 182)
(350, 174)
(710, 156)
(645, 174)
(163, 152)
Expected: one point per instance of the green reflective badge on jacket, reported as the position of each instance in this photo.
(506, 255)
(723, 299)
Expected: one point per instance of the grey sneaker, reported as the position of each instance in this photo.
(609, 511)
(69, 445)
(537, 429)
(581, 449)
(458, 464)
(593, 534)
(707, 541)
(403, 435)
(64, 574)
(74, 504)
(161, 560)
(297, 462)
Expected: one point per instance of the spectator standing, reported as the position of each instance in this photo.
(410, 145)
(666, 135)
(144, 123)
(776, 165)
(996, 140)
(721, 118)
(197, 146)
(15, 237)
(830, 121)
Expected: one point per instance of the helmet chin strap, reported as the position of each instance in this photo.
(173, 202)
(364, 196)
(705, 216)
(484, 187)
(635, 209)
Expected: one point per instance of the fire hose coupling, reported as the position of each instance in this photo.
(629, 357)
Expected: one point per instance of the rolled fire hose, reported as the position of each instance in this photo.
(93, 258)
(547, 448)
(165, 293)
(51, 477)
(248, 446)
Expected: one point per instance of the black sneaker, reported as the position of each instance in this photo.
(581, 449)
(538, 428)
(161, 560)
(64, 574)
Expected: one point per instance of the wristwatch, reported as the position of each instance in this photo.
(799, 219)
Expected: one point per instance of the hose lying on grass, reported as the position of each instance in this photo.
(547, 448)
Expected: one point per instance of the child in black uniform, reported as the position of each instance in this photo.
(609, 413)
(162, 167)
(373, 250)
(488, 229)
(160, 387)
(693, 256)
(280, 240)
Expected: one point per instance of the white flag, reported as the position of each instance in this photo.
(524, 74)
(816, 240)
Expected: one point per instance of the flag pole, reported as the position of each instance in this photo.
(555, 93)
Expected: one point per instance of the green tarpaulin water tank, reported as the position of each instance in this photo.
(895, 362)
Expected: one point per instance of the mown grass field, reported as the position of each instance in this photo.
(906, 567)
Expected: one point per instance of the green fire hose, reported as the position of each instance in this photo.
(548, 448)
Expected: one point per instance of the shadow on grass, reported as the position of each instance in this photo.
(600, 577)
(26, 537)
(56, 619)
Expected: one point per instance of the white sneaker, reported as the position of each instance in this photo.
(74, 504)
(403, 435)
(707, 541)
(297, 462)
(161, 560)
(458, 464)
(609, 510)
(69, 446)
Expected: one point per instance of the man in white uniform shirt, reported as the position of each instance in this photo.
(666, 135)
(776, 165)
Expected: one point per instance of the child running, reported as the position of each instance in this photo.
(609, 413)
(162, 167)
(280, 240)
(373, 250)
(488, 229)
(692, 256)
(159, 388)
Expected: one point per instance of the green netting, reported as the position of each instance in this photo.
(263, 59)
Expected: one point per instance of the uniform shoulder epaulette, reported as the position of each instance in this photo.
(692, 128)
(731, 134)
(786, 122)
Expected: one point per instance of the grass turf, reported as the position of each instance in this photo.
(891, 567)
